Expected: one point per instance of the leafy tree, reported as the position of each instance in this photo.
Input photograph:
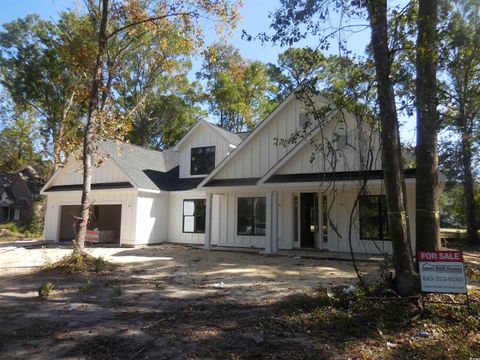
(289, 26)
(460, 69)
(153, 87)
(295, 65)
(164, 120)
(121, 22)
(17, 143)
(237, 89)
(37, 77)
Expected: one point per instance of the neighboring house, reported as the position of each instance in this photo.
(18, 193)
(219, 188)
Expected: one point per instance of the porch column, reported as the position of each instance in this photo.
(208, 222)
(271, 236)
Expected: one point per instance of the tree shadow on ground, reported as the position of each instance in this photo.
(178, 309)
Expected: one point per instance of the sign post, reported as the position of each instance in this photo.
(442, 272)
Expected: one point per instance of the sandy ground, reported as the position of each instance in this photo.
(152, 286)
(163, 302)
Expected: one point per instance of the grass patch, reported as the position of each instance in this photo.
(81, 262)
(16, 232)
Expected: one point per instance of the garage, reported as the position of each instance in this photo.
(106, 219)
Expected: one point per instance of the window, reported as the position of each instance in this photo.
(251, 216)
(202, 160)
(194, 216)
(16, 214)
(373, 218)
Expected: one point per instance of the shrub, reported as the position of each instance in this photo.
(45, 289)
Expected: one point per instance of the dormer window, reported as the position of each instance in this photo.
(202, 160)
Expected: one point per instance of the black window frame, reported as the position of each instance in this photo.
(195, 216)
(382, 218)
(193, 162)
(252, 215)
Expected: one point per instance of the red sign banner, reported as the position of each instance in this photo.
(440, 256)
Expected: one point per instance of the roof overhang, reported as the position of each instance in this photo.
(96, 186)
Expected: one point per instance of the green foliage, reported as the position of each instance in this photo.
(238, 91)
(117, 291)
(45, 289)
(452, 205)
(87, 286)
(100, 265)
(18, 142)
(39, 80)
(20, 231)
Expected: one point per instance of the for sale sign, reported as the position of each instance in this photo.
(442, 272)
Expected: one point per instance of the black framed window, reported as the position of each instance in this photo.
(251, 213)
(194, 216)
(202, 160)
(373, 218)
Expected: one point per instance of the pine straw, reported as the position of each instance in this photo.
(81, 262)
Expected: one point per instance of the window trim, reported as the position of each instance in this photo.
(200, 147)
(379, 216)
(194, 216)
(253, 216)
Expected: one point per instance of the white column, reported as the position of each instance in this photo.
(271, 226)
(208, 222)
(274, 222)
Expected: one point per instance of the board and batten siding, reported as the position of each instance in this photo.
(306, 160)
(340, 215)
(175, 230)
(128, 200)
(107, 172)
(261, 153)
(225, 224)
(202, 136)
(152, 218)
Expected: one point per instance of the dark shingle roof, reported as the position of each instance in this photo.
(135, 160)
(170, 181)
(149, 169)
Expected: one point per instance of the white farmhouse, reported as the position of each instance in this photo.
(216, 188)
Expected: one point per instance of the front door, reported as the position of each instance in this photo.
(308, 219)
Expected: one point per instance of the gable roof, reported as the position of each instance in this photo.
(210, 181)
(149, 169)
(231, 138)
(135, 161)
(145, 168)
(251, 136)
(26, 174)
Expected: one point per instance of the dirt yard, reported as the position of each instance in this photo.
(171, 302)
(162, 302)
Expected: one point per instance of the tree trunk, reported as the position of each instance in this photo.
(427, 190)
(88, 141)
(468, 191)
(406, 277)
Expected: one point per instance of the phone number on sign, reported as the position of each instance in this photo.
(442, 278)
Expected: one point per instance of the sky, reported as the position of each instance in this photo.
(254, 20)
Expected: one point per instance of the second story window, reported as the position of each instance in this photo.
(202, 160)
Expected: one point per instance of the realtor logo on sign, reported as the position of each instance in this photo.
(442, 272)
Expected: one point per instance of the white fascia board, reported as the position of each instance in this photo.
(124, 190)
(247, 140)
(151, 191)
(187, 135)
